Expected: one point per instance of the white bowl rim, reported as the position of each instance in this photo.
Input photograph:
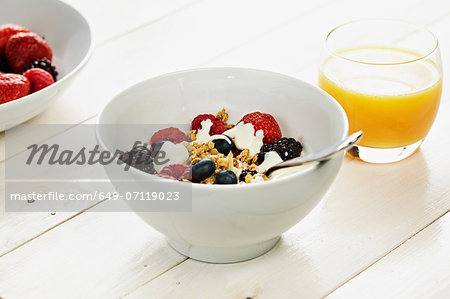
(76, 69)
(203, 69)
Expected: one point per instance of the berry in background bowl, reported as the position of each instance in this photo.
(45, 52)
(231, 221)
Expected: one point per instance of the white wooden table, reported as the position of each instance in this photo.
(382, 230)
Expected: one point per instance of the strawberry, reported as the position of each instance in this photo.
(4, 67)
(38, 78)
(172, 134)
(12, 87)
(265, 122)
(218, 126)
(25, 47)
(8, 30)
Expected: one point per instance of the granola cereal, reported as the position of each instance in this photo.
(220, 152)
(222, 115)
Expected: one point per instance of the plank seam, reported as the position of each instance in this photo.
(267, 32)
(49, 229)
(150, 280)
(159, 19)
(54, 135)
(386, 254)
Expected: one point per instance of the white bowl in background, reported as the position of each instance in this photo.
(231, 223)
(70, 36)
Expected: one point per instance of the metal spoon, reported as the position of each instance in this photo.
(318, 156)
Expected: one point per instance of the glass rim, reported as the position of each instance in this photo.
(424, 56)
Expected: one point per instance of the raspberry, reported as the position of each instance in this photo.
(197, 121)
(165, 176)
(178, 171)
(244, 174)
(44, 64)
(39, 79)
(266, 123)
(287, 148)
(172, 134)
(218, 127)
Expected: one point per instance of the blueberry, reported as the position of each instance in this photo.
(226, 177)
(223, 144)
(203, 169)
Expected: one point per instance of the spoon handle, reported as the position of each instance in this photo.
(320, 155)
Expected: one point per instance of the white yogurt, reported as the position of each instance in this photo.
(203, 132)
(174, 154)
(216, 137)
(258, 178)
(245, 137)
(270, 159)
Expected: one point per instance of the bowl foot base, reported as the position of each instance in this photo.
(224, 255)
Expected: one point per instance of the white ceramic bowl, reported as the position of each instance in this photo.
(231, 223)
(70, 36)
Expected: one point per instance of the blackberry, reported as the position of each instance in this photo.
(44, 64)
(287, 148)
(244, 174)
(4, 66)
(140, 158)
(236, 151)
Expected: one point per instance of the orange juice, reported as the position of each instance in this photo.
(393, 104)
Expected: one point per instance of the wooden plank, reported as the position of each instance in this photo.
(419, 268)
(114, 18)
(369, 210)
(19, 228)
(96, 255)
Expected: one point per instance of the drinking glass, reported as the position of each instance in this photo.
(387, 75)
